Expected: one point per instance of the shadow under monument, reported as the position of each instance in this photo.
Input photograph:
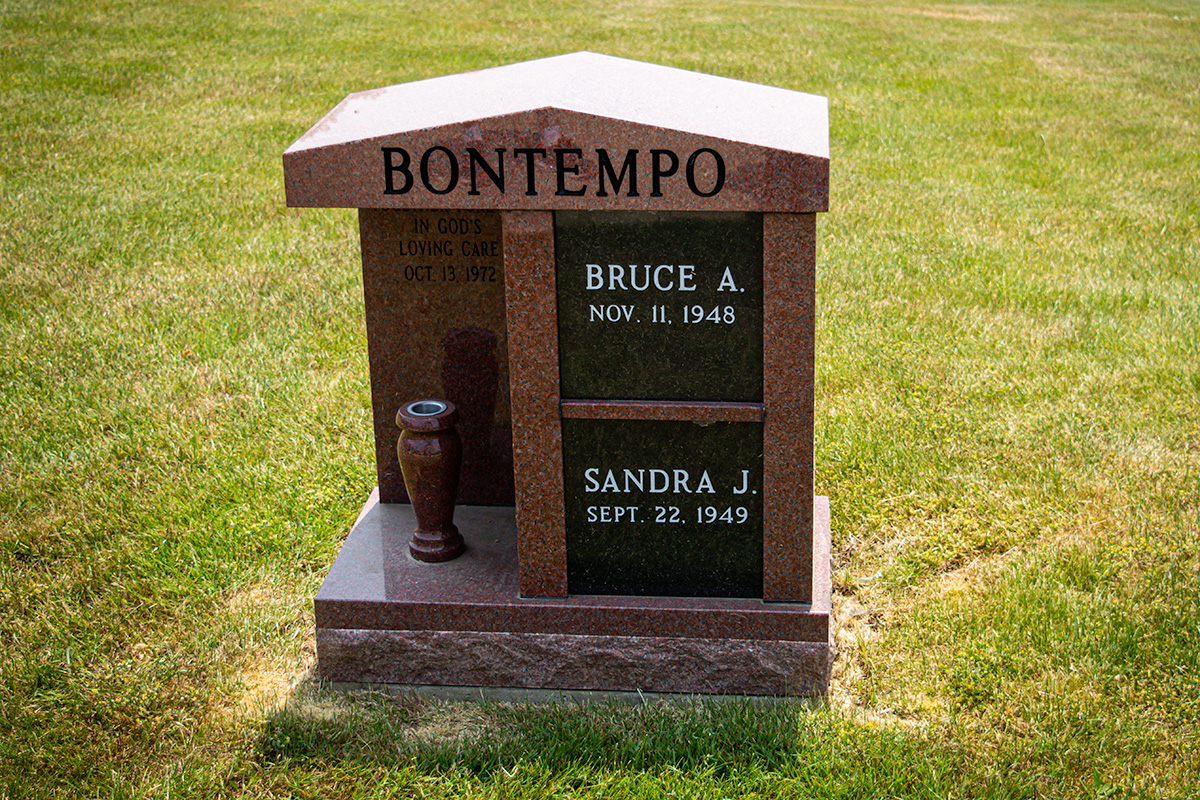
(391, 727)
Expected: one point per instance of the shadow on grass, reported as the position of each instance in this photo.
(715, 736)
(742, 746)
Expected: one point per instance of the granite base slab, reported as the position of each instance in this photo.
(492, 694)
(384, 618)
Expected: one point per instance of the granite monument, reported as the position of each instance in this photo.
(607, 268)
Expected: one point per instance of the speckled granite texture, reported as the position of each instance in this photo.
(436, 328)
(789, 334)
(558, 661)
(550, 117)
(698, 411)
(537, 438)
(377, 601)
(458, 181)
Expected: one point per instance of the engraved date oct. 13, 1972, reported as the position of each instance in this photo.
(451, 273)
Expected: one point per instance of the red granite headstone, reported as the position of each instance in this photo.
(609, 268)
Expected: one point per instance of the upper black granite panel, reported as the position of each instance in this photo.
(660, 306)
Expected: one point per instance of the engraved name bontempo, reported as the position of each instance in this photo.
(439, 170)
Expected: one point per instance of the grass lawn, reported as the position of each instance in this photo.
(1008, 404)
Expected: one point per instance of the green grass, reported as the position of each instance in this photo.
(1008, 405)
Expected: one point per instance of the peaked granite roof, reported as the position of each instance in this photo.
(779, 126)
(589, 83)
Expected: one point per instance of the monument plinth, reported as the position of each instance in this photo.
(609, 268)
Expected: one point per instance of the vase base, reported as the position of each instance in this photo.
(434, 546)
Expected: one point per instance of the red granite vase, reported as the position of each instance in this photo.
(430, 454)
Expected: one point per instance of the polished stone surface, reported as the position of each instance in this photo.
(560, 112)
(663, 508)
(430, 452)
(433, 285)
(383, 617)
(504, 150)
(465, 304)
(647, 94)
(537, 436)
(789, 343)
(686, 410)
(788, 265)
(375, 584)
(654, 305)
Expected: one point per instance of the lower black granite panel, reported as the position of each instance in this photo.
(663, 508)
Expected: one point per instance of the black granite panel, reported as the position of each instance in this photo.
(663, 508)
(660, 306)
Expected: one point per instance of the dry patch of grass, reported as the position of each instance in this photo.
(450, 723)
(962, 13)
